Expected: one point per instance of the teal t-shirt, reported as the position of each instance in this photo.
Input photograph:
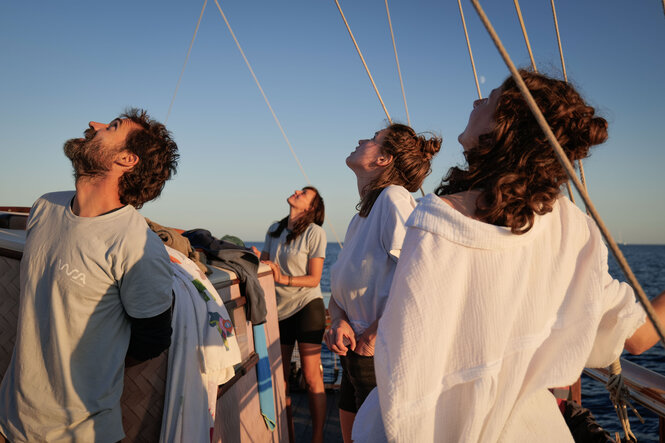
(80, 278)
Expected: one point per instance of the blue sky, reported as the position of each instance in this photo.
(66, 63)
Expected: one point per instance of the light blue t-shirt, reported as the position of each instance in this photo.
(293, 260)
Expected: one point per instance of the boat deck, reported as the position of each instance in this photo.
(302, 422)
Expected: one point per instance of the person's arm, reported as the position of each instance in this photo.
(646, 336)
(149, 337)
(339, 337)
(309, 280)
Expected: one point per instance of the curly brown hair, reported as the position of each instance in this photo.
(513, 166)
(315, 214)
(158, 160)
(412, 160)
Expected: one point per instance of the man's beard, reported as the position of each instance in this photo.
(87, 156)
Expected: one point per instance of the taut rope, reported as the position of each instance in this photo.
(205, 2)
(468, 45)
(369, 74)
(565, 77)
(571, 173)
(526, 37)
(399, 71)
(288, 142)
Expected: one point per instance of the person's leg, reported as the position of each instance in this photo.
(346, 419)
(347, 403)
(310, 358)
(287, 351)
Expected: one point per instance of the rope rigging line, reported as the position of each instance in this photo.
(205, 2)
(348, 28)
(399, 71)
(258, 84)
(568, 167)
(468, 45)
(565, 77)
(526, 37)
(363, 60)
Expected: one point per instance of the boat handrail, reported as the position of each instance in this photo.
(646, 387)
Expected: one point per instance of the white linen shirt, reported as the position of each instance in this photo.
(360, 278)
(480, 322)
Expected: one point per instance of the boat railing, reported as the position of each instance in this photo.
(646, 388)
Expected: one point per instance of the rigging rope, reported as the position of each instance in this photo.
(205, 2)
(526, 37)
(565, 77)
(399, 71)
(468, 45)
(288, 142)
(563, 159)
(369, 74)
(363, 60)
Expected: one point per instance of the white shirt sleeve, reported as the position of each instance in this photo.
(396, 209)
(622, 316)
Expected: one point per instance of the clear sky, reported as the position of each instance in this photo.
(65, 63)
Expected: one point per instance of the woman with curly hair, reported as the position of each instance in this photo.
(295, 248)
(388, 168)
(502, 289)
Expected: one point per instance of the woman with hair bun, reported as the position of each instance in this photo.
(295, 248)
(502, 289)
(388, 168)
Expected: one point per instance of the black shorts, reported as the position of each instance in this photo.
(358, 379)
(305, 326)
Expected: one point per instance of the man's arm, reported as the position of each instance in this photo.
(150, 337)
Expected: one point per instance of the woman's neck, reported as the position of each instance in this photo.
(294, 216)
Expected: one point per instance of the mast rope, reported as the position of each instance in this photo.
(369, 74)
(399, 71)
(182, 71)
(468, 45)
(568, 167)
(565, 77)
(258, 84)
(526, 37)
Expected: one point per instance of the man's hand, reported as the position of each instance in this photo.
(340, 337)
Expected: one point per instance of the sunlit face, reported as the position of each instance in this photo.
(93, 155)
(481, 120)
(301, 199)
(365, 157)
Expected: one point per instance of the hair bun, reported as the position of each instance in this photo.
(429, 147)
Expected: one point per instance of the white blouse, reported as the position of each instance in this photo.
(360, 278)
(480, 322)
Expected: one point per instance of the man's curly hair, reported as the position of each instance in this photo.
(158, 159)
(514, 166)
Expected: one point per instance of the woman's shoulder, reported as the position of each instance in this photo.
(395, 195)
(314, 229)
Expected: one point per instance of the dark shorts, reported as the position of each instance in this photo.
(305, 326)
(358, 379)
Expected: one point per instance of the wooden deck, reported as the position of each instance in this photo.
(302, 422)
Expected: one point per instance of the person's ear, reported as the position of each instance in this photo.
(127, 159)
(384, 160)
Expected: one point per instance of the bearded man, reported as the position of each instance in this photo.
(96, 287)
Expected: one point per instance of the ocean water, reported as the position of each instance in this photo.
(648, 264)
